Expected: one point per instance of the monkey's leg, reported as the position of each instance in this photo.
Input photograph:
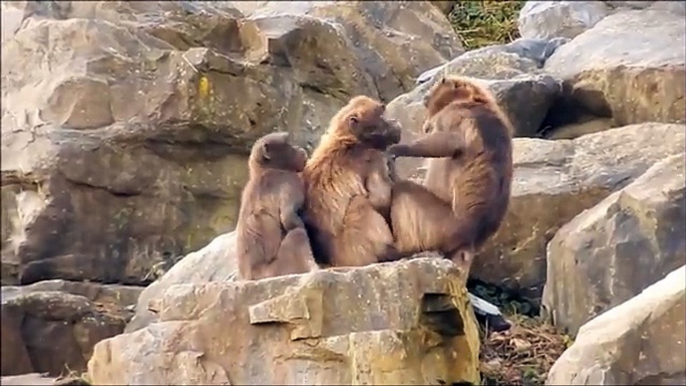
(420, 220)
(434, 145)
(365, 237)
(294, 256)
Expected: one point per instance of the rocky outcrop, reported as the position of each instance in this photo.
(611, 252)
(393, 323)
(214, 263)
(556, 180)
(52, 326)
(552, 19)
(630, 67)
(126, 124)
(639, 342)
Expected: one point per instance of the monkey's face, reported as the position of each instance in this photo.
(373, 129)
(445, 91)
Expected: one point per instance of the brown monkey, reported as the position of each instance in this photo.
(348, 187)
(271, 238)
(466, 191)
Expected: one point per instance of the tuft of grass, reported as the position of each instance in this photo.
(485, 23)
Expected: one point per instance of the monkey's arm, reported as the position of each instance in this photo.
(379, 183)
(434, 145)
(291, 201)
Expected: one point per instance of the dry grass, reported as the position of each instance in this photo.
(484, 23)
(522, 355)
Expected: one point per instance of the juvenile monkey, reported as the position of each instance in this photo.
(348, 187)
(271, 239)
(466, 191)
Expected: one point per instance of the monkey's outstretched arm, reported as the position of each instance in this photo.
(291, 201)
(434, 145)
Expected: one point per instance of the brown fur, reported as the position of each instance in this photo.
(271, 236)
(349, 189)
(470, 142)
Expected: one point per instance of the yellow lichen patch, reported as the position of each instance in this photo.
(204, 88)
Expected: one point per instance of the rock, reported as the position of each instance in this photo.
(551, 19)
(27, 379)
(586, 125)
(334, 326)
(676, 7)
(93, 90)
(629, 66)
(36, 379)
(639, 342)
(556, 180)
(52, 326)
(214, 263)
(624, 5)
(444, 6)
(611, 252)
(394, 41)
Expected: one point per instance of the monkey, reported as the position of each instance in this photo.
(348, 187)
(271, 238)
(466, 191)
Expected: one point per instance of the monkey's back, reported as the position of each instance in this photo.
(259, 231)
(478, 182)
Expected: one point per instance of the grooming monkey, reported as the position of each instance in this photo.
(466, 191)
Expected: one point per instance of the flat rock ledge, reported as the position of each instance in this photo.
(408, 322)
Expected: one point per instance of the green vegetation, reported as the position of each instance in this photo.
(484, 23)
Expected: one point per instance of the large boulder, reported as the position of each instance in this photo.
(613, 251)
(216, 262)
(395, 323)
(52, 326)
(630, 66)
(639, 342)
(556, 180)
(552, 19)
(126, 124)
(395, 41)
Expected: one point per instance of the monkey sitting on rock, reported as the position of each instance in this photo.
(348, 187)
(271, 239)
(466, 191)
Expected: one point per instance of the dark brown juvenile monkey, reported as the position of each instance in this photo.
(271, 237)
(348, 187)
(466, 191)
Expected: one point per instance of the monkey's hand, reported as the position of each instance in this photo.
(290, 219)
(291, 202)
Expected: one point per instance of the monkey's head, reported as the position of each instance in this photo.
(363, 119)
(451, 89)
(274, 151)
